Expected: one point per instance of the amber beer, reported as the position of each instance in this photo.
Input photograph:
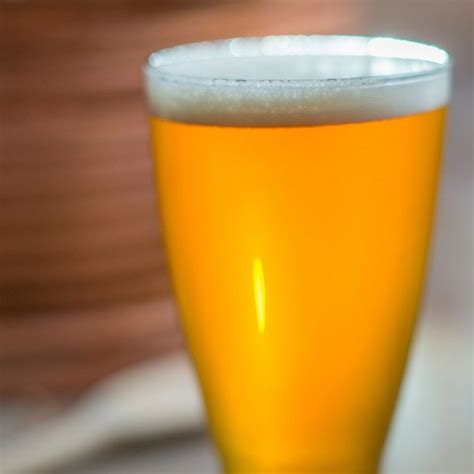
(296, 189)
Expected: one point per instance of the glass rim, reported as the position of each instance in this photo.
(298, 45)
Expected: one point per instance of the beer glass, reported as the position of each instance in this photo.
(296, 181)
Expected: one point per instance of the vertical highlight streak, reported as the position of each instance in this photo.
(259, 294)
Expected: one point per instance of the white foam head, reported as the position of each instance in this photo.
(296, 80)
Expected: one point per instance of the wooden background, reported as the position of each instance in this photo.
(83, 285)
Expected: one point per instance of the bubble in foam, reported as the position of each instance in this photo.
(296, 80)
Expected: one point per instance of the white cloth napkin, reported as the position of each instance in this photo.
(153, 399)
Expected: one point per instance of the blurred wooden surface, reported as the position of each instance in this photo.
(82, 272)
(79, 235)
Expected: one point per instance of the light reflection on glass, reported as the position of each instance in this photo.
(259, 294)
(395, 48)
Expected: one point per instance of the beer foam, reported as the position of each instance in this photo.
(296, 80)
